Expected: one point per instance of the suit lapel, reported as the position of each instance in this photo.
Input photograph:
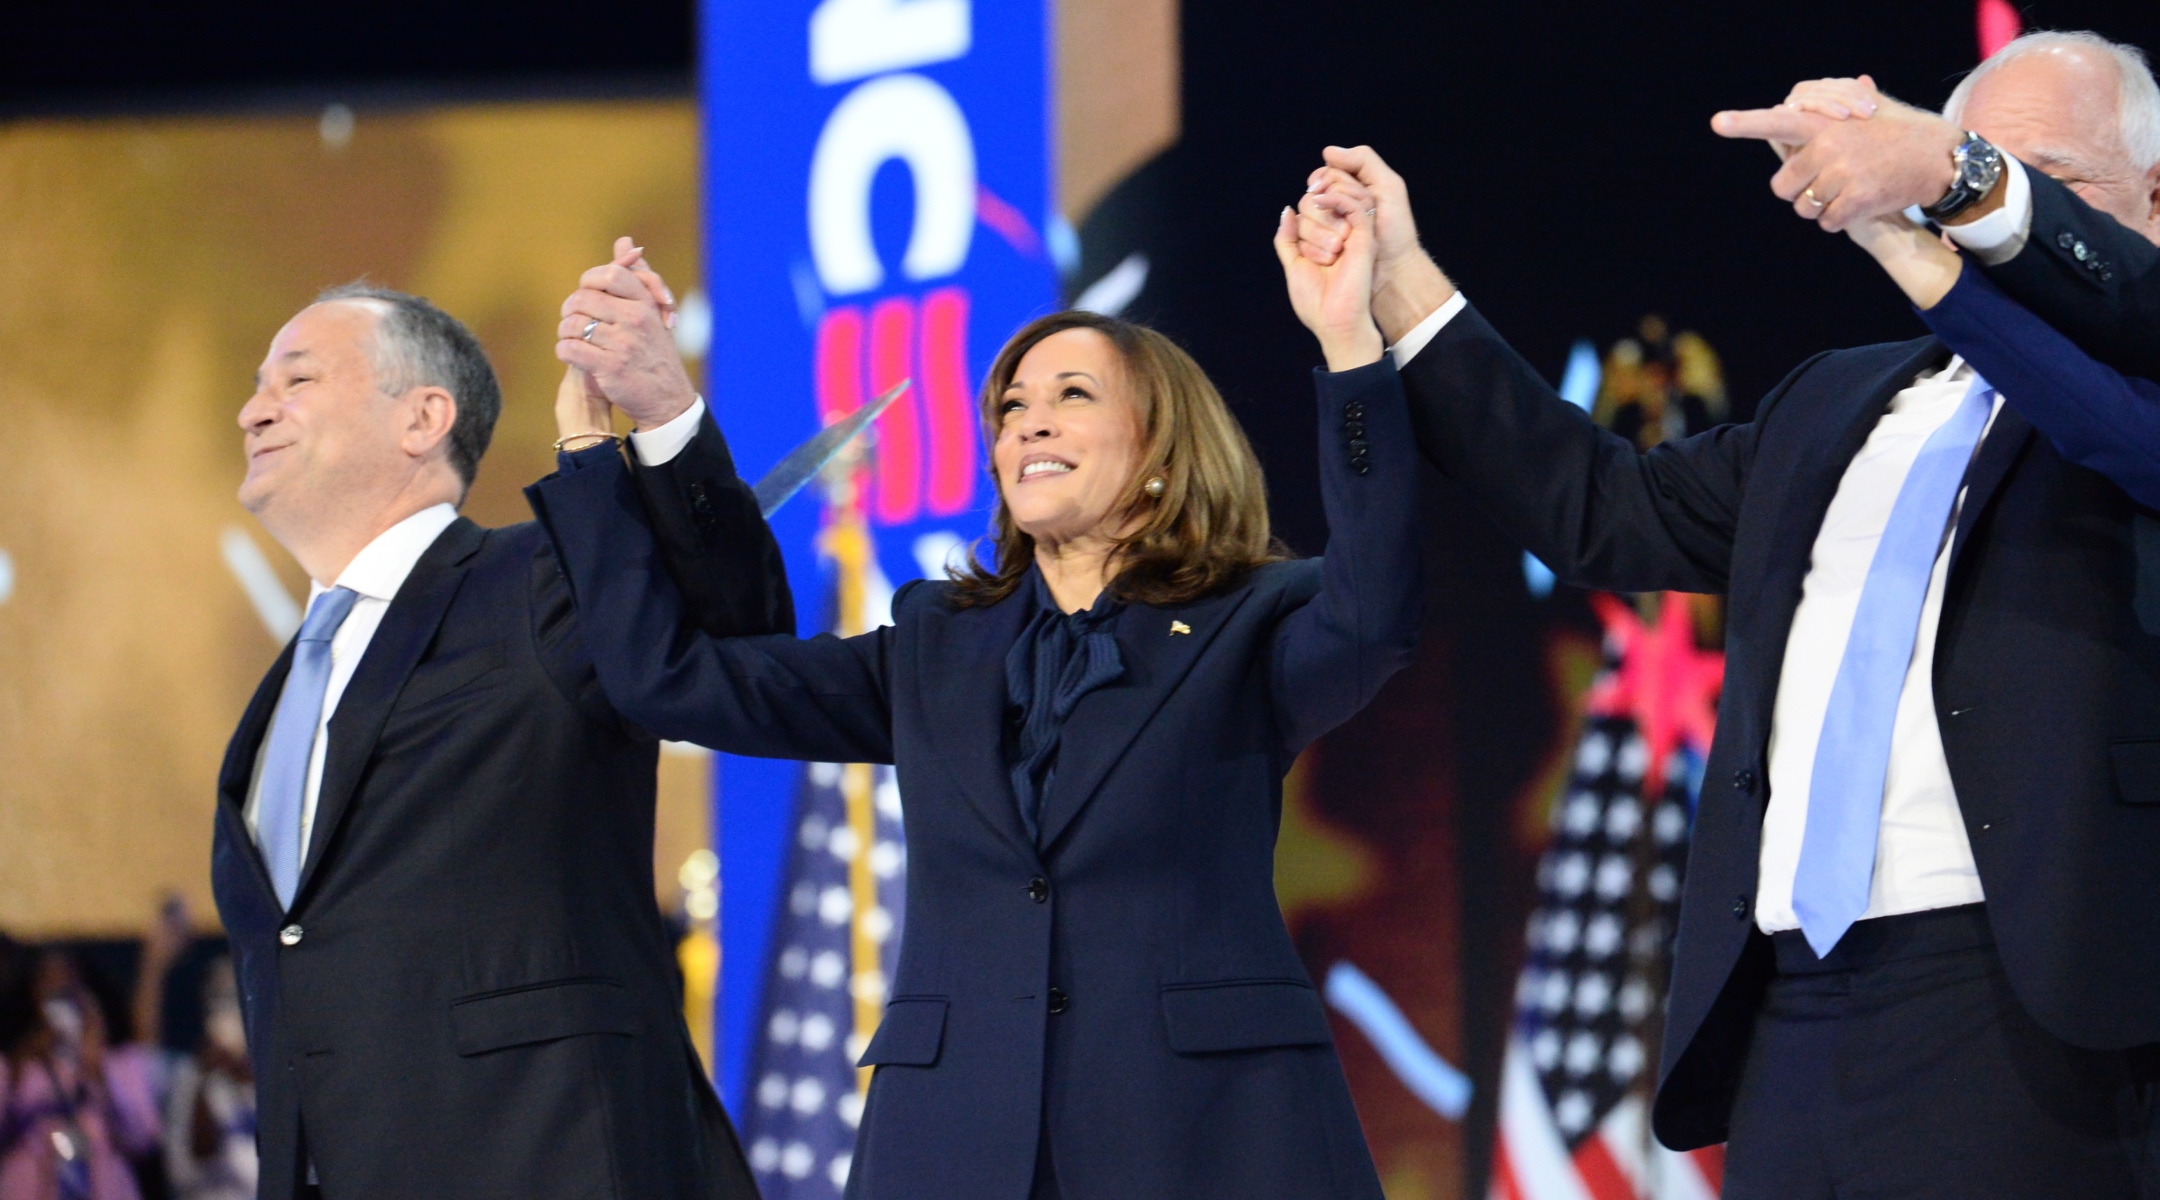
(961, 672)
(1157, 654)
(237, 774)
(407, 628)
(1999, 451)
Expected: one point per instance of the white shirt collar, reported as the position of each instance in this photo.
(379, 570)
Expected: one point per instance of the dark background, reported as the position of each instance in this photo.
(1563, 171)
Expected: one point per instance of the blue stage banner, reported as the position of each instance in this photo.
(878, 205)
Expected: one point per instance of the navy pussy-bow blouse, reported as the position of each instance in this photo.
(1058, 658)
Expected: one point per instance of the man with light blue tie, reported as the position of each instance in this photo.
(1919, 945)
(434, 834)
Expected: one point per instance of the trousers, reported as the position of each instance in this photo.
(1902, 1066)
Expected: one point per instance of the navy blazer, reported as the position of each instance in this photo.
(474, 993)
(1128, 985)
(2090, 275)
(2047, 661)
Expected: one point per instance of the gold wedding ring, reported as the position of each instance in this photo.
(1811, 199)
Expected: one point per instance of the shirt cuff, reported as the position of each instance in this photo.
(1997, 237)
(663, 442)
(1429, 328)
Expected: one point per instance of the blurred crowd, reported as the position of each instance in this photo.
(102, 1097)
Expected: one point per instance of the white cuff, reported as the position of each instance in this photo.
(1997, 237)
(662, 443)
(1427, 329)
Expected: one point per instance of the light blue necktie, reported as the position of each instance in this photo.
(1844, 813)
(281, 793)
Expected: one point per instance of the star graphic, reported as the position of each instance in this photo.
(1667, 685)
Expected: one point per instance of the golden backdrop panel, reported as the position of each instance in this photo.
(144, 266)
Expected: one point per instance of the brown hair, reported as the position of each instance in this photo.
(1208, 529)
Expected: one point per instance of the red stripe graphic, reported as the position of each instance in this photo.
(899, 446)
(946, 401)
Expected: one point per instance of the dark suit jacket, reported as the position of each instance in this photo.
(2047, 680)
(474, 994)
(2108, 297)
(1127, 984)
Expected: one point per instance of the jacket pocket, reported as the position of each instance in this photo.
(1205, 1018)
(541, 1013)
(910, 1035)
(2137, 770)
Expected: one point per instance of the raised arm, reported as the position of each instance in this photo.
(2096, 416)
(615, 337)
(774, 696)
(1333, 652)
(1576, 495)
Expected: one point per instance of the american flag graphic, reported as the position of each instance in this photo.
(1582, 1056)
(838, 933)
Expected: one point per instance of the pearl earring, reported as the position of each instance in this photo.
(1155, 487)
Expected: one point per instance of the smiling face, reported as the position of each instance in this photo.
(1069, 435)
(2058, 109)
(319, 434)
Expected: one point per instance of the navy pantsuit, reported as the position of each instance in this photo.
(1124, 984)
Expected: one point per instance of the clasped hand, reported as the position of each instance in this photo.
(616, 337)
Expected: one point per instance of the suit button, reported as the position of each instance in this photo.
(1058, 1000)
(1740, 908)
(2081, 251)
(1358, 447)
(1743, 780)
(2106, 276)
(1353, 429)
(2065, 240)
(1038, 889)
(1354, 411)
(1361, 466)
(290, 935)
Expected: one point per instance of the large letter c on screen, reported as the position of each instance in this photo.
(910, 118)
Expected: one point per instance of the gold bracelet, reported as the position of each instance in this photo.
(613, 437)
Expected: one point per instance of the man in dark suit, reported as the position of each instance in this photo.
(434, 835)
(1919, 945)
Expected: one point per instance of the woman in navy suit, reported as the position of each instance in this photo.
(1096, 997)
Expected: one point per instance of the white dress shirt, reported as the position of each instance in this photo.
(662, 443)
(1922, 857)
(1997, 237)
(376, 573)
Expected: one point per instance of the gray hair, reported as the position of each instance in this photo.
(420, 345)
(2137, 98)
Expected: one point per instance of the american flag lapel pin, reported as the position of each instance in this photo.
(1178, 627)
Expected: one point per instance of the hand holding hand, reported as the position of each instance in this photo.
(615, 329)
(1334, 300)
(581, 409)
(1839, 171)
(1407, 284)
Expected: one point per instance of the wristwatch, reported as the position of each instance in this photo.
(1976, 165)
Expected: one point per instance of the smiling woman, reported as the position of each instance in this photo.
(1096, 995)
(1118, 464)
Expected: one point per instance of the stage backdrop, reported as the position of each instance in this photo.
(878, 208)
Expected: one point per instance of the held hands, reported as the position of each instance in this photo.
(616, 331)
(1850, 153)
(1407, 285)
(1334, 300)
